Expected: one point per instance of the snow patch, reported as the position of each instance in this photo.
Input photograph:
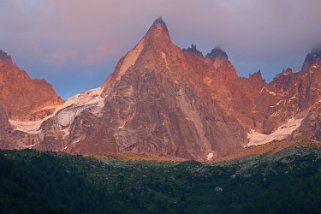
(271, 92)
(315, 66)
(88, 97)
(210, 156)
(31, 127)
(268, 91)
(90, 100)
(256, 138)
(278, 103)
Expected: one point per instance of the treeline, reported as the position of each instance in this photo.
(43, 182)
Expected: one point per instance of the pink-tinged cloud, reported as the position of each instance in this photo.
(60, 57)
(101, 53)
(267, 34)
(251, 27)
(63, 56)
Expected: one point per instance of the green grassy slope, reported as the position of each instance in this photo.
(41, 182)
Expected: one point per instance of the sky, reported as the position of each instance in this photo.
(75, 44)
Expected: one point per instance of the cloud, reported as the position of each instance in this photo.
(101, 53)
(251, 27)
(63, 56)
(82, 32)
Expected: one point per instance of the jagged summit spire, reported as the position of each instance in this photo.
(160, 21)
(256, 75)
(4, 55)
(192, 49)
(217, 52)
(287, 71)
(313, 56)
(157, 33)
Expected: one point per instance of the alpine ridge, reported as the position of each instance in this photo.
(21, 97)
(162, 100)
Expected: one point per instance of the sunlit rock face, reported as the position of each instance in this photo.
(24, 98)
(4, 123)
(164, 101)
(311, 125)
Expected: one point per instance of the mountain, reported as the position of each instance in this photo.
(162, 100)
(23, 98)
(152, 103)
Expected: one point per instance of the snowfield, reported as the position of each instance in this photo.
(256, 138)
(31, 127)
(65, 114)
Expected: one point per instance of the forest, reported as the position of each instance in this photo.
(288, 181)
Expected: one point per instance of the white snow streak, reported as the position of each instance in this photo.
(268, 91)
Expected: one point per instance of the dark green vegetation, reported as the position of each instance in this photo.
(43, 182)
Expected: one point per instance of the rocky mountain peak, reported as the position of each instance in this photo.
(313, 57)
(287, 71)
(256, 76)
(160, 22)
(4, 55)
(193, 50)
(217, 53)
(158, 31)
(22, 97)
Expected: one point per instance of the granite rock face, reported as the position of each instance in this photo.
(164, 101)
(311, 125)
(5, 125)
